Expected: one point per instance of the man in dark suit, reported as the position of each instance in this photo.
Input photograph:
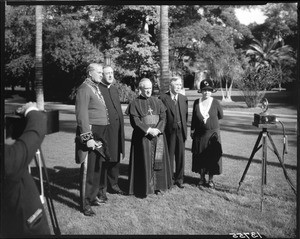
(22, 213)
(176, 127)
(114, 136)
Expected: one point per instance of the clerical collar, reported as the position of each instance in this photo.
(106, 85)
(144, 97)
(172, 96)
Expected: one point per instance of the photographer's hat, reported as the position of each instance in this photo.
(207, 84)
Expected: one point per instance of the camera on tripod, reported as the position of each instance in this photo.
(266, 121)
(15, 124)
(264, 118)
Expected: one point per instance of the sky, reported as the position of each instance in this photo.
(247, 16)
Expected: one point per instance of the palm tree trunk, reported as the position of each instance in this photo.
(164, 49)
(39, 58)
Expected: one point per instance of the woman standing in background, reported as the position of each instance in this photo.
(205, 132)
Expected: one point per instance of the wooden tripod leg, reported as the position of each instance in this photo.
(282, 164)
(50, 204)
(264, 166)
(38, 163)
(255, 149)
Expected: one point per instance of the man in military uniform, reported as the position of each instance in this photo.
(92, 122)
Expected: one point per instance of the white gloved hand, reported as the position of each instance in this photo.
(91, 144)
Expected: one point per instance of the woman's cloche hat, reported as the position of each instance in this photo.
(207, 84)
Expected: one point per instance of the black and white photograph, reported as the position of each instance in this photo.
(158, 119)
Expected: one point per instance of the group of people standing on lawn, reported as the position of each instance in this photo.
(157, 147)
(157, 154)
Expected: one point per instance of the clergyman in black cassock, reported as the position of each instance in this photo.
(149, 164)
(115, 133)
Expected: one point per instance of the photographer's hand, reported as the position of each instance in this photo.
(23, 110)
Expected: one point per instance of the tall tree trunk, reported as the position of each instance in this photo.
(39, 90)
(164, 49)
(223, 96)
(230, 91)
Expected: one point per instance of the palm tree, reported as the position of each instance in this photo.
(164, 48)
(271, 55)
(39, 58)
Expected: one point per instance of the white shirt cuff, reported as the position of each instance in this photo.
(148, 130)
(30, 109)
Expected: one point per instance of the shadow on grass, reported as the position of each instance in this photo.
(64, 184)
(276, 164)
(194, 181)
(123, 179)
(241, 158)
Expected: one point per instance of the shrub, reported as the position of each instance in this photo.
(254, 84)
(126, 95)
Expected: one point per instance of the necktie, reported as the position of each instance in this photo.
(174, 99)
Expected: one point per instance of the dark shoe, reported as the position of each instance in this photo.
(172, 186)
(117, 190)
(102, 195)
(202, 182)
(97, 202)
(101, 199)
(211, 184)
(158, 192)
(179, 185)
(88, 211)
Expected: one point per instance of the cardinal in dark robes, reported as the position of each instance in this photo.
(149, 165)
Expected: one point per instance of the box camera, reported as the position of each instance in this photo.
(15, 124)
(264, 119)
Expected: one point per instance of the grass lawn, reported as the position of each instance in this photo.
(188, 211)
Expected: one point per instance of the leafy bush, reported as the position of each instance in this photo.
(254, 84)
(126, 95)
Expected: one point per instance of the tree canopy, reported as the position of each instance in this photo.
(201, 37)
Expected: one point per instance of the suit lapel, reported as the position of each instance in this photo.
(170, 102)
(180, 104)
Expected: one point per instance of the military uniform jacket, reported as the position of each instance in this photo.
(90, 109)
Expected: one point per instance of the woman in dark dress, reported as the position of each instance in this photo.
(205, 132)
